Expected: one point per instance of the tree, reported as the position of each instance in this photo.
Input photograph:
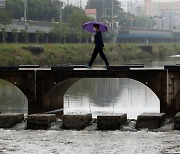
(15, 34)
(24, 34)
(144, 21)
(104, 11)
(41, 10)
(4, 34)
(104, 7)
(55, 32)
(68, 10)
(5, 17)
(39, 35)
(60, 31)
(16, 8)
(124, 19)
(76, 20)
(65, 31)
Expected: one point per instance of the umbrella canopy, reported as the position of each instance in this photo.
(88, 26)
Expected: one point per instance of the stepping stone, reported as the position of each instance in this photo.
(11, 119)
(40, 121)
(111, 121)
(150, 120)
(177, 121)
(76, 121)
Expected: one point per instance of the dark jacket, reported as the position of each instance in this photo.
(98, 41)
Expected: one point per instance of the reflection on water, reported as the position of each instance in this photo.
(12, 99)
(111, 95)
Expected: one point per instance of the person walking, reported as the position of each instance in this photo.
(99, 47)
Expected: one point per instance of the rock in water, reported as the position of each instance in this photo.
(177, 121)
(150, 120)
(11, 119)
(111, 121)
(40, 121)
(76, 121)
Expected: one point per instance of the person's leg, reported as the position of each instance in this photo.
(93, 57)
(103, 56)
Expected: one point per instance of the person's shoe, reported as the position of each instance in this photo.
(106, 66)
(87, 66)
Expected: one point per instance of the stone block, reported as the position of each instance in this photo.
(177, 121)
(111, 121)
(12, 68)
(150, 120)
(76, 121)
(10, 120)
(40, 121)
(118, 68)
(172, 67)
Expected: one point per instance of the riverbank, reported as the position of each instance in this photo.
(59, 54)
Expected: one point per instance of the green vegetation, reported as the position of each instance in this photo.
(60, 54)
(5, 17)
(104, 12)
(67, 20)
(42, 10)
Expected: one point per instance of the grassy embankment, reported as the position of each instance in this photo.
(54, 54)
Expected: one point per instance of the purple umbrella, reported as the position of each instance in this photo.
(88, 26)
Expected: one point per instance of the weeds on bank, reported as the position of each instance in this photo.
(59, 54)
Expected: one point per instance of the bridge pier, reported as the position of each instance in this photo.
(173, 88)
(50, 89)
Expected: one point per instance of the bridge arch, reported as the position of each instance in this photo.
(13, 99)
(112, 95)
(54, 99)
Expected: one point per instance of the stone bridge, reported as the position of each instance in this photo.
(45, 88)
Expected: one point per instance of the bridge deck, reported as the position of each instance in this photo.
(86, 69)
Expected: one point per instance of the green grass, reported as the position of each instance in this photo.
(54, 54)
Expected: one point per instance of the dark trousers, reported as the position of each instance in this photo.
(95, 53)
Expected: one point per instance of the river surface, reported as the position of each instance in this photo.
(95, 96)
(87, 142)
